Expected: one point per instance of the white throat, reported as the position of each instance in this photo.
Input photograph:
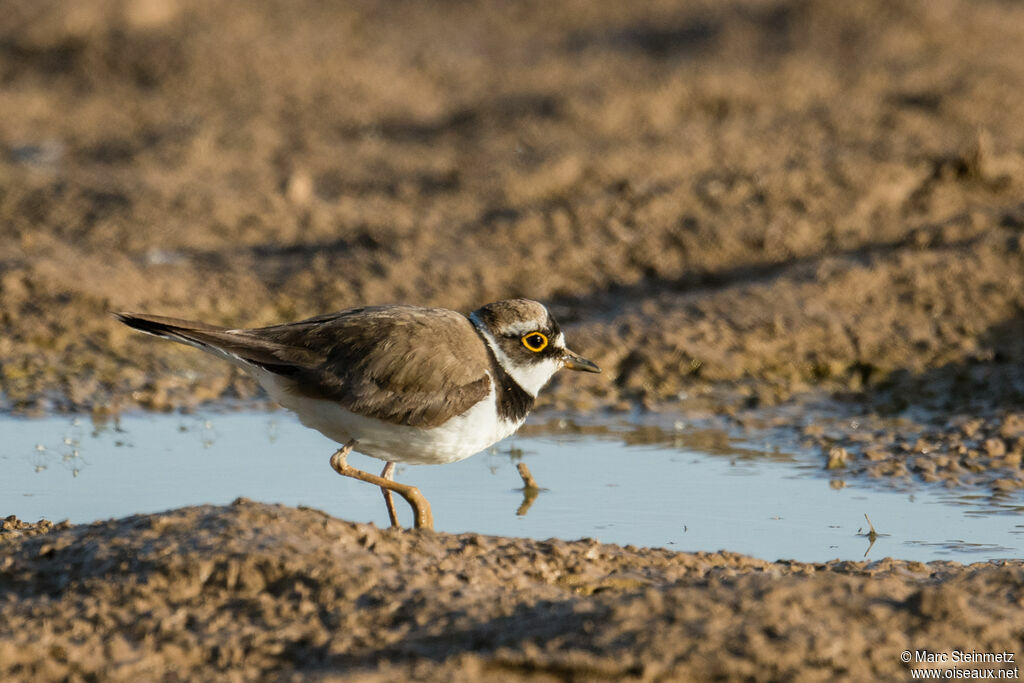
(532, 377)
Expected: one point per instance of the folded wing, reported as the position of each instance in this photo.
(401, 364)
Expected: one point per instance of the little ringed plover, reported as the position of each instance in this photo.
(398, 383)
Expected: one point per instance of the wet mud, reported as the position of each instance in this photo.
(973, 452)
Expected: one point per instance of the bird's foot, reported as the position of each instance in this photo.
(422, 515)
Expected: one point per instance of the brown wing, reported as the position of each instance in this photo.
(402, 364)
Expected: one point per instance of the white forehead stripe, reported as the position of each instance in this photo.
(522, 328)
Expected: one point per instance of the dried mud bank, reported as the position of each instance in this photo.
(744, 199)
(254, 591)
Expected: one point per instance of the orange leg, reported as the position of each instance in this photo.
(389, 500)
(420, 507)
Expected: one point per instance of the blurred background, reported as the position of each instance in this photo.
(728, 202)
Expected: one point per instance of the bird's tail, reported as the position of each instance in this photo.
(185, 331)
(240, 347)
(209, 338)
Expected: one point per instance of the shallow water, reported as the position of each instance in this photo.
(690, 491)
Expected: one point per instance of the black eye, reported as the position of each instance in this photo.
(535, 341)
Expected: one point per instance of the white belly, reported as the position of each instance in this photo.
(456, 439)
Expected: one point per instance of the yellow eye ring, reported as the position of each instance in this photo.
(535, 341)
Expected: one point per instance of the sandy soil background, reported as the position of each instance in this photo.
(754, 194)
(733, 206)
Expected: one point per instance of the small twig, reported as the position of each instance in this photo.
(529, 483)
(872, 534)
(530, 489)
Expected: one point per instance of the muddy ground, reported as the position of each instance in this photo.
(738, 209)
(255, 591)
(764, 197)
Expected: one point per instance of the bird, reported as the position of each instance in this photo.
(397, 382)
